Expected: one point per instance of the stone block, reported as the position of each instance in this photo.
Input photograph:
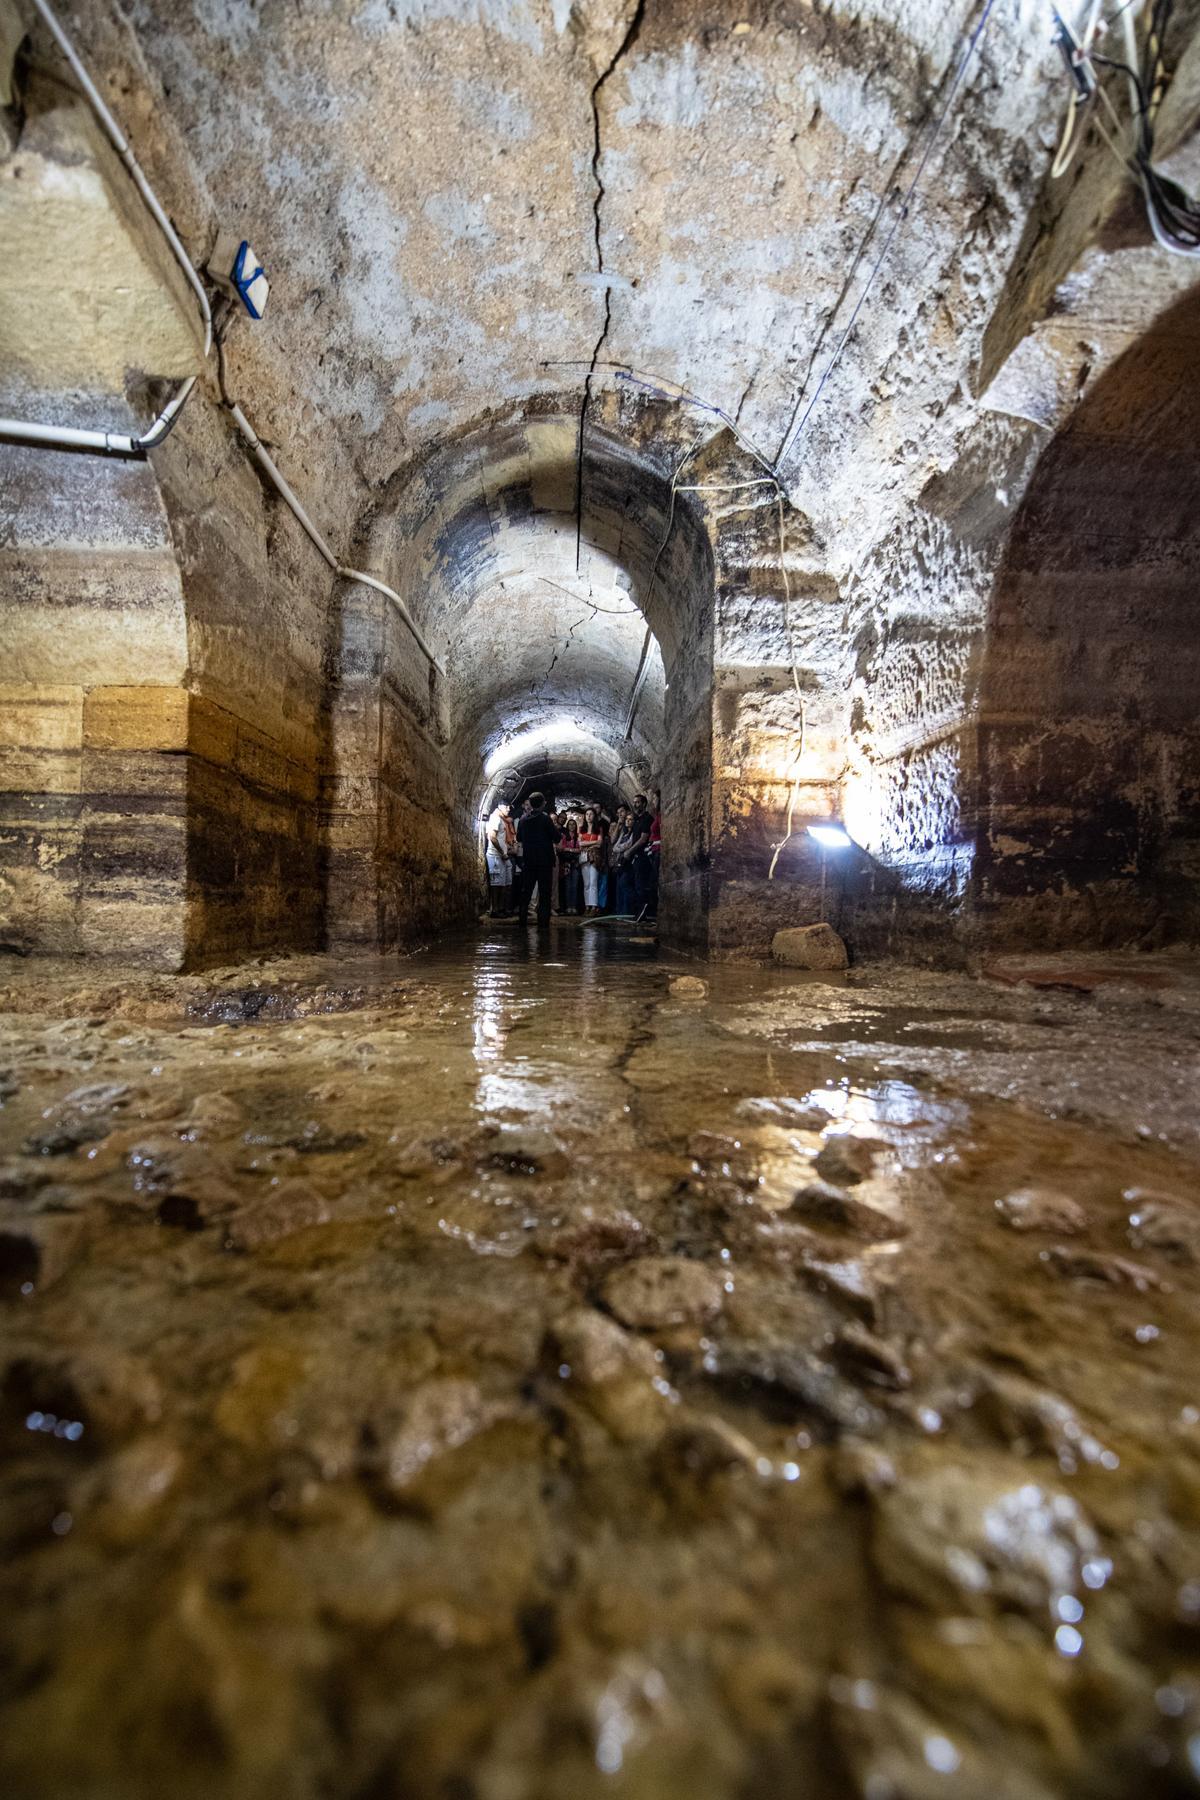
(39, 771)
(35, 718)
(212, 732)
(809, 947)
(136, 718)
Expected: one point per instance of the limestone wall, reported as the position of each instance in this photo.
(1089, 743)
(93, 711)
(162, 624)
(257, 600)
(401, 857)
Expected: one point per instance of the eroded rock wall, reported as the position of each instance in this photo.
(163, 625)
(1089, 747)
(402, 861)
(93, 845)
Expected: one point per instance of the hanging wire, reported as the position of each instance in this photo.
(1174, 215)
(794, 790)
(969, 50)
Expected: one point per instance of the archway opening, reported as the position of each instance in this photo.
(572, 607)
(1089, 803)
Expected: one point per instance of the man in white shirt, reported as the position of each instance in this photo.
(499, 862)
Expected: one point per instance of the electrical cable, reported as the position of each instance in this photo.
(727, 487)
(266, 463)
(117, 139)
(116, 443)
(794, 790)
(1173, 214)
(667, 389)
(972, 45)
(643, 660)
(847, 284)
(123, 444)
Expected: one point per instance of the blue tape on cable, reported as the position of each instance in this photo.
(244, 281)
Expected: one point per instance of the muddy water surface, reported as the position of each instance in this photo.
(529, 1380)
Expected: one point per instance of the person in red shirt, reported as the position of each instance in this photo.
(591, 856)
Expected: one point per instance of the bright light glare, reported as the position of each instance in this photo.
(557, 736)
(831, 837)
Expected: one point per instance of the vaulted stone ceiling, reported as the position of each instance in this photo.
(450, 196)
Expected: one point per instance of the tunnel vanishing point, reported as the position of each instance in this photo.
(443, 1360)
(553, 356)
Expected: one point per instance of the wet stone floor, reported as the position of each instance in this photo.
(518, 1375)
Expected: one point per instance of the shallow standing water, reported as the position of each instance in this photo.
(503, 1376)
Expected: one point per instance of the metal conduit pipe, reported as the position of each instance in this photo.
(119, 443)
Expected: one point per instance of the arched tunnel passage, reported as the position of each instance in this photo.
(543, 1367)
(574, 642)
(1089, 809)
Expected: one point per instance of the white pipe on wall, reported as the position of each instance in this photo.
(117, 443)
(269, 469)
(117, 138)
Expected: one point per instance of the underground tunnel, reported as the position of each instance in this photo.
(599, 852)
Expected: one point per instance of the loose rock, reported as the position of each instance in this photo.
(782, 1110)
(596, 1349)
(1030, 1419)
(1042, 1209)
(846, 1159)
(520, 1150)
(1091, 1265)
(439, 1418)
(829, 1205)
(292, 1207)
(658, 1291)
(1162, 1222)
(879, 1361)
(809, 947)
(849, 1281)
(966, 1538)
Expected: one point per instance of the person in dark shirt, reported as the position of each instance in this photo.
(639, 857)
(538, 835)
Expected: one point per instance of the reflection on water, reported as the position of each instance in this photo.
(493, 1376)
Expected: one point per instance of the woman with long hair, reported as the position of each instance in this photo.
(591, 856)
(568, 865)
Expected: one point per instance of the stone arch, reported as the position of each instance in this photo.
(554, 595)
(1088, 825)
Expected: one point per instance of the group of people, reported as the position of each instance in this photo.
(590, 864)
